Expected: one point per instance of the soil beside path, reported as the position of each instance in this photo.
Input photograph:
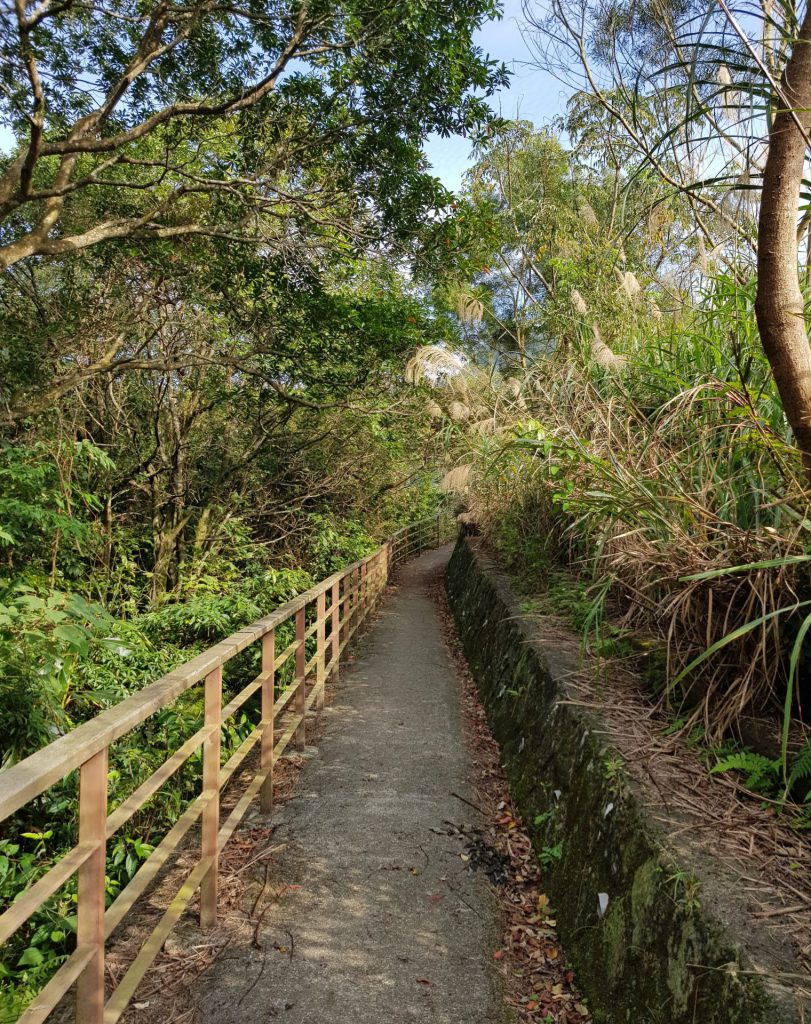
(378, 917)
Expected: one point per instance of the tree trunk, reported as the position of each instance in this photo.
(779, 305)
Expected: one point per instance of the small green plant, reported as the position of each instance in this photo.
(614, 773)
(801, 771)
(686, 889)
(550, 854)
(762, 773)
(802, 822)
(764, 776)
(570, 599)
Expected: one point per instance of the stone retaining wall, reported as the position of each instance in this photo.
(645, 948)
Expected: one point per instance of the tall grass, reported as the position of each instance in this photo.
(673, 486)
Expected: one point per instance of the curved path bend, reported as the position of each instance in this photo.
(388, 925)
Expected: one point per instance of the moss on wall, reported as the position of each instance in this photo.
(653, 954)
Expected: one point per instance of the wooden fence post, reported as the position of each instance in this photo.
(211, 788)
(335, 630)
(355, 599)
(301, 679)
(268, 687)
(347, 608)
(321, 648)
(90, 920)
(380, 575)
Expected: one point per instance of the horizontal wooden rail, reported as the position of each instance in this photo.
(340, 604)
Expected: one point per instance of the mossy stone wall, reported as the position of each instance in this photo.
(653, 953)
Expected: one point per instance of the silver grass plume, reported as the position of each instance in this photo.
(657, 218)
(458, 412)
(457, 479)
(629, 286)
(603, 355)
(701, 255)
(434, 410)
(430, 362)
(579, 303)
(588, 216)
(469, 309)
(730, 98)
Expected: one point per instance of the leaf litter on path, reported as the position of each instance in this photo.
(539, 983)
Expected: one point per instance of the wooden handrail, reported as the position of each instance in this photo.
(341, 604)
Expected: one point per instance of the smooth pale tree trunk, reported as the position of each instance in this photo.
(779, 304)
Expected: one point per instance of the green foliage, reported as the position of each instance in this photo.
(800, 771)
(207, 617)
(46, 500)
(761, 773)
(44, 639)
(333, 544)
(766, 775)
(28, 963)
(549, 854)
(686, 890)
(525, 552)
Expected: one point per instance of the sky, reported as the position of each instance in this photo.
(533, 95)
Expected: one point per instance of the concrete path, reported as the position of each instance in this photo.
(388, 925)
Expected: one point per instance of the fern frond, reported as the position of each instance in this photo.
(758, 769)
(801, 765)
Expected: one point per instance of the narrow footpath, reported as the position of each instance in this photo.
(380, 920)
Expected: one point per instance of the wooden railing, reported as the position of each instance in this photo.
(340, 605)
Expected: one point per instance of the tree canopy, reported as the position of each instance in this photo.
(161, 120)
